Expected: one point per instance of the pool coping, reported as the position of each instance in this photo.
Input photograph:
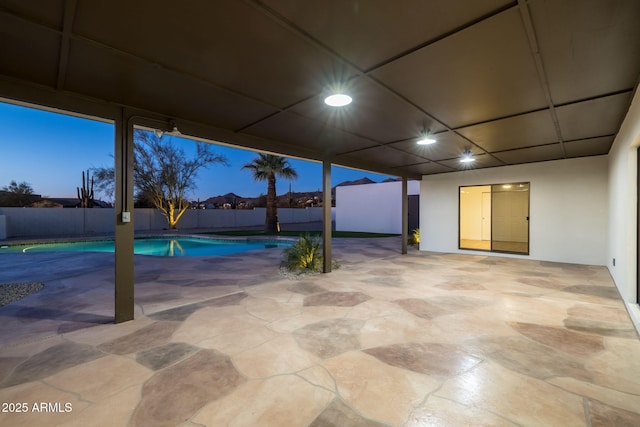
(77, 239)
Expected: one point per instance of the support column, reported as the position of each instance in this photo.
(326, 216)
(124, 231)
(405, 215)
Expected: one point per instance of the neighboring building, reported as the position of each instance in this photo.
(8, 198)
(66, 202)
(376, 207)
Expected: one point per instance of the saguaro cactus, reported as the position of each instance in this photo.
(85, 194)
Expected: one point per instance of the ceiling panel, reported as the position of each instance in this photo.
(293, 128)
(227, 42)
(373, 31)
(386, 154)
(588, 147)
(597, 117)
(589, 47)
(375, 113)
(471, 76)
(532, 154)
(448, 146)
(48, 12)
(481, 161)
(428, 168)
(514, 132)
(131, 82)
(28, 51)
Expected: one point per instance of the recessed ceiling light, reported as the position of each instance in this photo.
(467, 157)
(426, 140)
(338, 100)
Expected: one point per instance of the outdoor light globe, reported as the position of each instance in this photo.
(338, 100)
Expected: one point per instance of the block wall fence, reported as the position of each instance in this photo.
(44, 222)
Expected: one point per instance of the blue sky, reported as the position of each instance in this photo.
(50, 151)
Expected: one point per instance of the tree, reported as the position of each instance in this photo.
(17, 194)
(266, 167)
(162, 173)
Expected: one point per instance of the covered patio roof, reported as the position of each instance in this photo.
(510, 81)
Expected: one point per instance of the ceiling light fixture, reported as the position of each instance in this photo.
(171, 129)
(467, 157)
(426, 138)
(338, 100)
(174, 129)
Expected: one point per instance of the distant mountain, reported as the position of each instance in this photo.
(360, 181)
(298, 198)
(227, 198)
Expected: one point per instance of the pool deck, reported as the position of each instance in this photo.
(422, 339)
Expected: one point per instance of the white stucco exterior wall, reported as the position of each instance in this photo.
(622, 226)
(374, 208)
(568, 208)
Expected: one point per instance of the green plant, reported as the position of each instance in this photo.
(414, 239)
(305, 254)
(17, 194)
(266, 167)
(163, 173)
(85, 194)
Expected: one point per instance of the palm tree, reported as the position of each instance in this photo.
(266, 167)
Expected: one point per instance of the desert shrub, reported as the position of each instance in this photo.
(414, 239)
(305, 254)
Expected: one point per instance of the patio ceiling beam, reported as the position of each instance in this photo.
(67, 25)
(527, 21)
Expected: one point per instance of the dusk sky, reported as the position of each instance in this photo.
(50, 151)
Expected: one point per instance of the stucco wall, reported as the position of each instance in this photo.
(375, 208)
(622, 226)
(568, 208)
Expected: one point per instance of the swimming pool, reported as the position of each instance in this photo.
(156, 246)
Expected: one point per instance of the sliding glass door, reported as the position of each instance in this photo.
(495, 217)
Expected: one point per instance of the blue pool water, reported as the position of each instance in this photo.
(156, 246)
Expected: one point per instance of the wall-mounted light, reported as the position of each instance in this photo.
(338, 100)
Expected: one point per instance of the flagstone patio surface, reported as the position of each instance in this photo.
(422, 339)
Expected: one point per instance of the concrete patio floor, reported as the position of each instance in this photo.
(421, 339)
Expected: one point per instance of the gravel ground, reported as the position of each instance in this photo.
(10, 292)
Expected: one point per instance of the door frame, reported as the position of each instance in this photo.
(637, 227)
(528, 218)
